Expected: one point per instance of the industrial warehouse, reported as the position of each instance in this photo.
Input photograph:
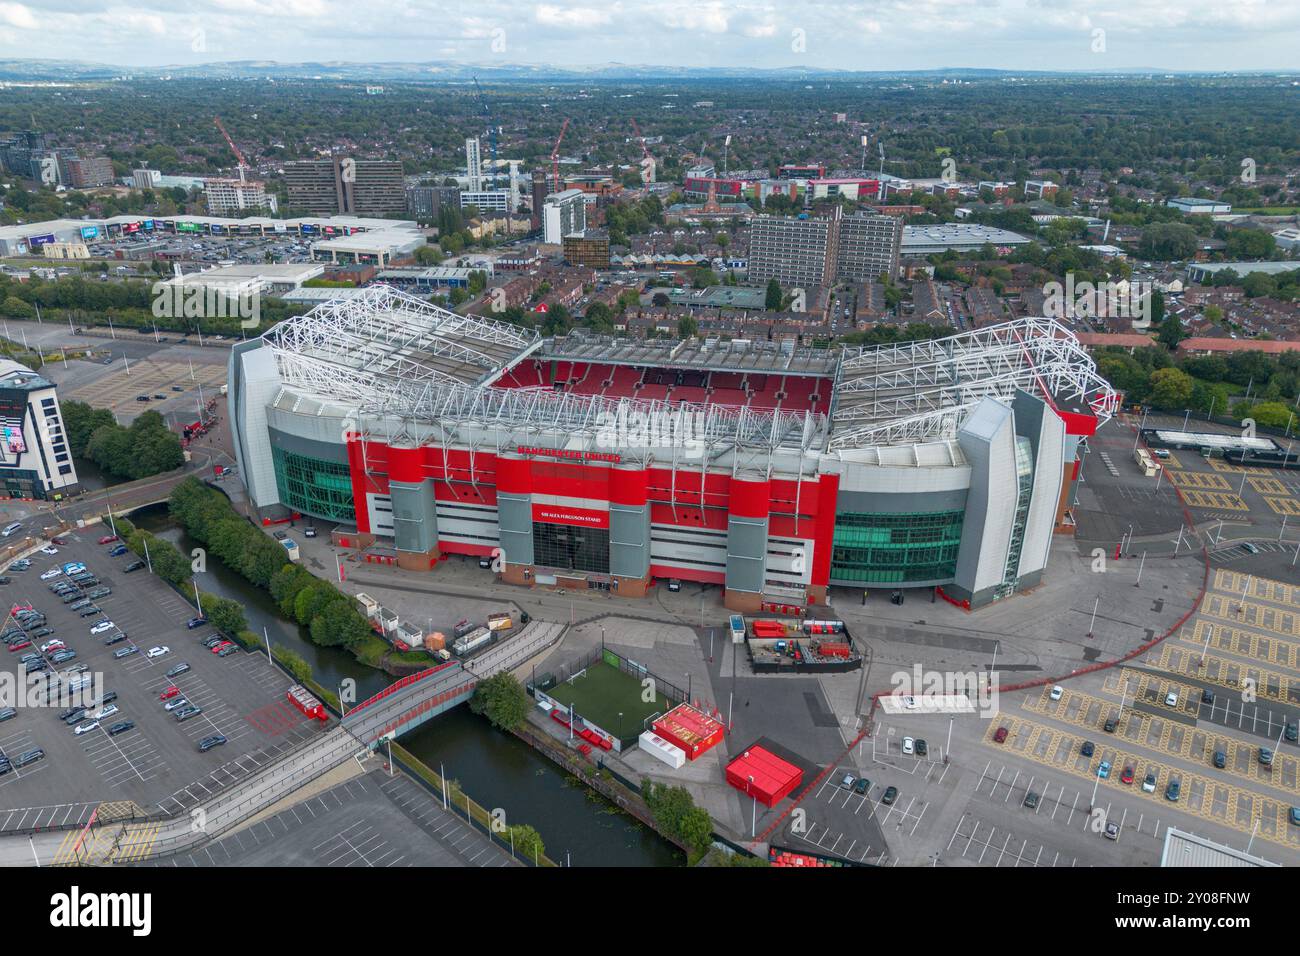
(770, 470)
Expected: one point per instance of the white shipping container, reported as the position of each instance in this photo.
(661, 749)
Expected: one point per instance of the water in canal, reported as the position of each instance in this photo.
(495, 769)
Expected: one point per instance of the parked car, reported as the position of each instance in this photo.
(112, 639)
(1057, 691)
(178, 670)
(1266, 756)
(1088, 748)
(122, 652)
(101, 627)
(185, 713)
(169, 693)
(1112, 831)
(177, 704)
(108, 539)
(207, 743)
(1220, 759)
(86, 728)
(1171, 699)
(121, 727)
(1172, 790)
(116, 550)
(909, 745)
(889, 796)
(158, 651)
(194, 622)
(227, 650)
(221, 646)
(1126, 775)
(1001, 735)
(133, 566)
(1031, 800)
(1103, 769)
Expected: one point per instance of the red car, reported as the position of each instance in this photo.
(1000, 736)
(20, 645)
(221, 647)
(169, 693)
(108, 539)
(59, 541)
(1126, 776)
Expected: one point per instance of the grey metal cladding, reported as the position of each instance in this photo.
(629, 540)
(884, 502)
(746, 553)
(312, 448)
(515, 521)
(415, 517)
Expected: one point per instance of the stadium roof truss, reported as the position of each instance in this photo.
(922, 391)
(476, 416)
(385, 334)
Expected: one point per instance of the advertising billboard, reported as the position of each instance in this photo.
(89, 232)
(218, 229)
(148, 225)
(130, 227)
(187, 227)
(35, 241)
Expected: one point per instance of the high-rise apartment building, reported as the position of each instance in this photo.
(346, 186)
(819, 250)
(563, 214)
(473, 165)
(227, 196)
(89, 172)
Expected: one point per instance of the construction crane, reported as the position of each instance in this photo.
(555, 157)
(491, 127)
(243, 163)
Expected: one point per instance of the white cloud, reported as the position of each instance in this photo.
(571, 17)
(17, 15)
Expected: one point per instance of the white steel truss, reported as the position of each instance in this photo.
(385, 333)
(921, 391)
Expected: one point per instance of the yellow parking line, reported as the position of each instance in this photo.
(1226, 607)
(1268, 648)
(1198, 791)
(1262, 589)
(1234, 674)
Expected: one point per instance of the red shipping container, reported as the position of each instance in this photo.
(691, 730)
(773, 779)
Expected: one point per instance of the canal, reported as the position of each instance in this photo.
(496, 769)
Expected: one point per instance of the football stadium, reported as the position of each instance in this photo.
(771, 470)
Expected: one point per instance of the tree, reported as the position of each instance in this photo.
(1171, 388)
(502, 699)
(1171, 332)
(1168, 241)
(687, 327)
(774, 297)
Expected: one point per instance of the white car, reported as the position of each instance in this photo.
(157, 651)
(1057, 691)
(52, 646)
(909, 745)
(86, 727)
(49, 549)
(101, 627)
(1171, 699)
(103, 712)
(909, 702)
(51, 573)
(178, 702)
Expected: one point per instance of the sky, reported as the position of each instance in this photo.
(864, 35)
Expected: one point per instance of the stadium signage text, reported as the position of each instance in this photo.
(570, 453)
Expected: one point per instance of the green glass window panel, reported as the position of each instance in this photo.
(313, 486)
(881, 548)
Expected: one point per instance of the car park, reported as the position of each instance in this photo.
(158, 651)
(207, 743)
